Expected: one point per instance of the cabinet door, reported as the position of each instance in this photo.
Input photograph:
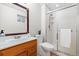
(0, 54)
(13, 51)
(32, 50)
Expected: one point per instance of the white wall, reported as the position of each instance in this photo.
(77, 22)
(34, 17)
(43, 21)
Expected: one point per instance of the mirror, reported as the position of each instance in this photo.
(14, 19)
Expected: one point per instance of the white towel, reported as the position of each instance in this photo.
(65, 38)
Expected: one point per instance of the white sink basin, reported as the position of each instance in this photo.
(47, 46)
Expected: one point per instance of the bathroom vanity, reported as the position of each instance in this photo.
(21, 48)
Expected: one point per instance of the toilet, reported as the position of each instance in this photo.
(43, 48)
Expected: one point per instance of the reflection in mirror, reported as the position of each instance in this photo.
(13, 18)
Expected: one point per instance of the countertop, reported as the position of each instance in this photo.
(7, 44)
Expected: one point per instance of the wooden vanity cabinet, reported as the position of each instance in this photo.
(25, 49)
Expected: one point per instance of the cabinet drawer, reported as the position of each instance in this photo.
(33, 43)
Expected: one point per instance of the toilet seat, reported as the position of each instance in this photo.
(47, 46)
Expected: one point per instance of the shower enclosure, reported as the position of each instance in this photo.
(65, 18)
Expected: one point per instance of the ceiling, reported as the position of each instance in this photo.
(53, 6)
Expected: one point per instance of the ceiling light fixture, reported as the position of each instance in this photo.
(57, 5)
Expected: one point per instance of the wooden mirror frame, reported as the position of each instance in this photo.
(27, 10)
